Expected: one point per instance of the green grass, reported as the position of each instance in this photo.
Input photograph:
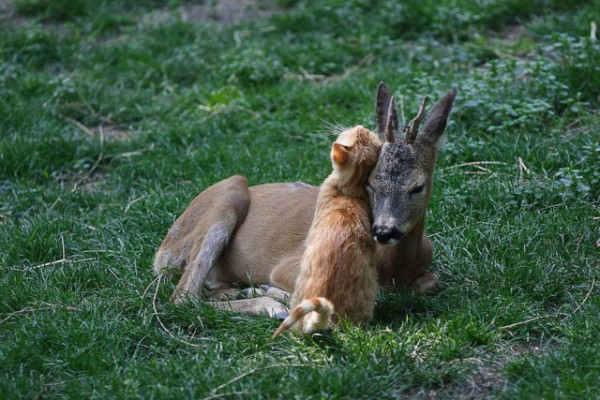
(115, 114)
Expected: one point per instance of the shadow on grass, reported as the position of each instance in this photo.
(396, 307)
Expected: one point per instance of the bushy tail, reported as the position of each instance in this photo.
(320, 320)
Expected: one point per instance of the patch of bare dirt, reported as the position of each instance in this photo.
(513, 32)
(228, 12)
(114, 134)
(7, 13)
(89, 183)
(487, 377)
(110, 133)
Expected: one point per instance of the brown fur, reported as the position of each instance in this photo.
(232, 234)
(339, 261)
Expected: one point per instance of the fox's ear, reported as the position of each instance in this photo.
(339, 154)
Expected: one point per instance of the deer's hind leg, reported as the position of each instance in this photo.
(198, 237)
(196, 272)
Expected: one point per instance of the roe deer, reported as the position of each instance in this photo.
(232, 234)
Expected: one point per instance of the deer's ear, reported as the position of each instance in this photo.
(339, 154)
(386, 115)
(437, 119)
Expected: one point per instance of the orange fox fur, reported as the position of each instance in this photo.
(338, 268)
(320, 310)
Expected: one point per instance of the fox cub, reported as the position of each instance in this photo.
(338, 276)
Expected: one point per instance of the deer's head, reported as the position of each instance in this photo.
(401, 183)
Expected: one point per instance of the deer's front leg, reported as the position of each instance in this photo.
(264, 305)
(426, 283)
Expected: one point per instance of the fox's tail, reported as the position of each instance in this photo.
(319, 320)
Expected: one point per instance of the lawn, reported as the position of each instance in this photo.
(114, 114)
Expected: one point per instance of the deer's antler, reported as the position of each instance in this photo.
(413, 127)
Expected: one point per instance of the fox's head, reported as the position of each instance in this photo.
(354, 155)
(400, 185)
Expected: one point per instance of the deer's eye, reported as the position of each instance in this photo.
(417, 189)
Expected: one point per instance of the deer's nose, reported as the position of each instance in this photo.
(385, 234)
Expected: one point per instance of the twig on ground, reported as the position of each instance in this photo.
(150, 285)
(47, 306)
(62, 242)
(58, 200)
(592, 286)
(21, 311)
(368, 59)
(157, 315)
(128, 154)
(475, 163)
(132, 202)
(304, 74)
(524, 322)
(63, 260)
(522, 167)
(81, 127)
(55, 306)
